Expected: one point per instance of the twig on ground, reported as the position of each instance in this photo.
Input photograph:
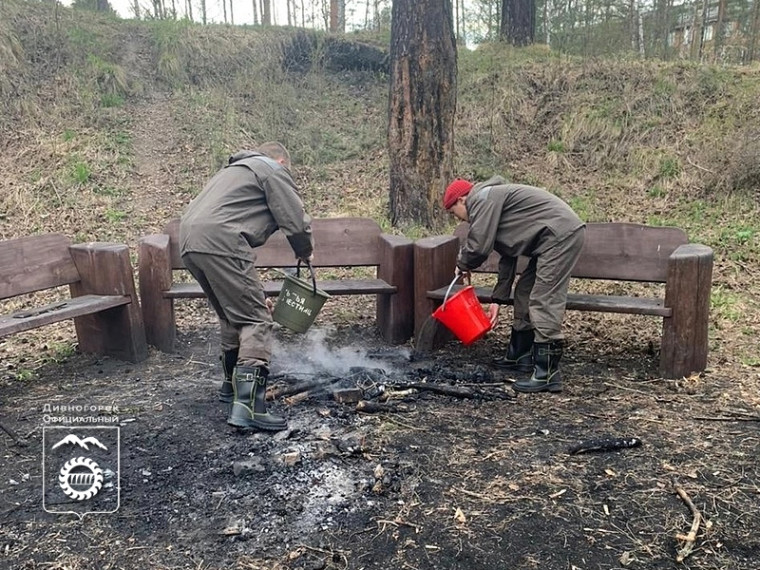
(642, 392)
(690, 538)
(725, 419)
(375, 407)
(17, 440)
(397, 523)
(455, 391)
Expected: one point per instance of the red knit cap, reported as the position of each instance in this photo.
(460, 187)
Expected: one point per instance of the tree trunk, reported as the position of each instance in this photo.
(266, 13)
(518, 22)
(719, 29)
(204, 12)
(255, 5)
(754, 32)
(338, 16)
(232, 14)
(421, 110)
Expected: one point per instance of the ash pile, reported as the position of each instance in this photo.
(328, 469)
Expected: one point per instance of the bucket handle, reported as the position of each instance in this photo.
(311, 270)
(446, 296)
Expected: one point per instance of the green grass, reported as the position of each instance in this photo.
(726, 305)
(114, 216)
(80, 172)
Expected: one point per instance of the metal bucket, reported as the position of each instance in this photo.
(299, 301)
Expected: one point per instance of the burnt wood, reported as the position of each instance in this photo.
(339, 242)
(612, 251)
(103, 303)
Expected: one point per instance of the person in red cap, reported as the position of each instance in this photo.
(518, 220)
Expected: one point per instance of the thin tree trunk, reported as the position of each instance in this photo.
(266, 13)
(703, 23)
(421, 109)
(754, 32)
(640, 14)
(719, 28)
(232, 14)
(255, 6)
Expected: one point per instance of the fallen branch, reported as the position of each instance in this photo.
(605, 444)
(376, 407)
(691, 538)
(305, 386)
(454, 391)
(20, 442)
(725, 419)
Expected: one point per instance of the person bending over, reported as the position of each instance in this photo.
(518, 220)
(239, 208)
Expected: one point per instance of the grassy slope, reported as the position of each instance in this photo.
(674, 144)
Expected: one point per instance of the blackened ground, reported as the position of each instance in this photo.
(479, 483)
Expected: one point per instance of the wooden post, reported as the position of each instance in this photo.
(155, 277)
(434, 265)
(687, 293)
(105, 269)
(395, 313)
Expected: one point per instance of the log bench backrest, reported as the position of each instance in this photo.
(617, 251)
(338, 242)
(35, 263)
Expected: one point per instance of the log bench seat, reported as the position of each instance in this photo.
(612, 252)
(338, 243)
(103, 301)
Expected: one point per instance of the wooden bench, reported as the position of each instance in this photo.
(612, 251)
(103, 301)
(339, 243)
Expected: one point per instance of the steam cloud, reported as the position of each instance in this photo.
(310, 355)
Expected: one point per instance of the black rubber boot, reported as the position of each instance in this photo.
(229, 360)
(519, 355)
(249, 408)
(546, 376)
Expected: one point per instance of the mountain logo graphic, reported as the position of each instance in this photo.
(80, 469)
(83, 443)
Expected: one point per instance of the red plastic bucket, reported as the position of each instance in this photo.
(463, 315)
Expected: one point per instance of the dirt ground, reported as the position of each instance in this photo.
(483, 482)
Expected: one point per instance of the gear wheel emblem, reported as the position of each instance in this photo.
(81, 478)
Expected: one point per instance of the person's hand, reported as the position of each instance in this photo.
(307, 260)
(270, 305)
(461, 273)
(493, 313)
